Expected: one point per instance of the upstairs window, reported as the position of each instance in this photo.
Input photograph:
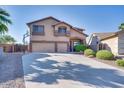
(62, 29)
(38, 28)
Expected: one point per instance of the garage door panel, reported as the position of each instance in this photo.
(121, 43)
(62, 47)
(121, 47)
(121, 51)
(43, 47)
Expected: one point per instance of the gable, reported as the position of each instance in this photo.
(77, 34)
(42, 20)
(56, 26)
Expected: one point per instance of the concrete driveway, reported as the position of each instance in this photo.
(69, 70)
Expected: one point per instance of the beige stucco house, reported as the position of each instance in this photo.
(112, 41)
(52, 35)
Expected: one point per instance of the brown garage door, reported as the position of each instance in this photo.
(43, 47)
(62, 47)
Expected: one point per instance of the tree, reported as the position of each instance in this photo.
(4, 21)
(121, 27)
(5, 39)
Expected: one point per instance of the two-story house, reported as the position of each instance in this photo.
(52, 35)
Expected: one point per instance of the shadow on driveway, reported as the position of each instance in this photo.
(41, 69)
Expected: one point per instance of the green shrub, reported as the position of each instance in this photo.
(120, 62)
(80, 47)
(89, 52)
(104, 54)
(91, 56)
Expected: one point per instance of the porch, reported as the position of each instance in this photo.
(74, 42)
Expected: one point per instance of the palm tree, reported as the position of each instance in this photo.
(5, 39)
(4, 21)
(121, 27)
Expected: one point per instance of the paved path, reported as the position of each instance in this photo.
(11, 71)
(69, 70)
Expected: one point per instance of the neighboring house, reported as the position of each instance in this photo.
(52, 35)
(112, 41)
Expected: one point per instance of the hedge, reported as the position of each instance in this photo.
(104, 54)
(120, 62)
(89, 52)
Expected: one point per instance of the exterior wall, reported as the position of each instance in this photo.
(121, 42)
(49, 32)
(111, 44)
(13, 48)
(7, 47)
(75, 34)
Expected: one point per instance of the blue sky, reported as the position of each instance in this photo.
(91, 18)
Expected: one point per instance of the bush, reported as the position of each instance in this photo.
(91, 56)
(89, 52)
(80, 47)
(120, 62)
(104, 54)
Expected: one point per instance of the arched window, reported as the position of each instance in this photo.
(62, 29)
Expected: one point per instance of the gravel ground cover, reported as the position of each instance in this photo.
(11, 71)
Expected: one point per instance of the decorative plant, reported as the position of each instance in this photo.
(80, 47)
(4, 21)
(104, 54)
(121, 27)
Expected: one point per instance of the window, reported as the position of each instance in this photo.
(38, 28)
(62, 29)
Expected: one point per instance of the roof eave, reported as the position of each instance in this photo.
(109, 37)
(42, 20)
